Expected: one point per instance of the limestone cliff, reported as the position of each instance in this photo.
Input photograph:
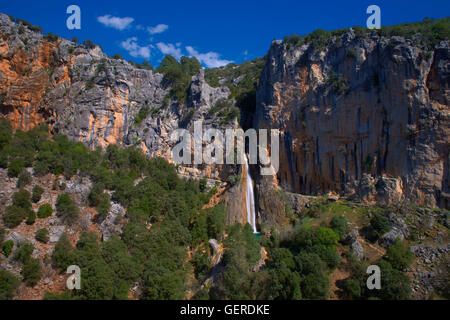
(363, 111)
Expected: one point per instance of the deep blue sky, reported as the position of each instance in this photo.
(235, 30)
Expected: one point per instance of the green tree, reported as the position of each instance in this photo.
(6, 133)
(380, 224)
(66, 209)
(23, 252)
(285, 284)
(64, 254)
(104, 205)
(352, 288)
(8, 285)
(31, 218)
(21, 199)
(36, 193)
(315, 286)
(399, 256)
(395, 285)
(98, 281)
(31, 272)
(7, 247)
(42, 235)
(24, 179)
(15, 167)
(13, 216)
(339, 225)
(45, 211)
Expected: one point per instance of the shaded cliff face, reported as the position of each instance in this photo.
(362, 107)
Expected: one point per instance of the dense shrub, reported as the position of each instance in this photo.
(243, 252)
(117, 57)
(36, 193)
(13, 216)
(399, 256)
(6, 133)
(31, 272)
(23, 252)
(88, 44)
(142, 114)
(144, 65)
(66, 209)
(338, 83)
(395, 285)
(315, 286)
(44, 211)
(95, 194)
(51, 37)
(15, 167)
(339, 225)
(7, 247)
(104, 205)
(380, 224)
(42, 235)
(21, 199)
(20, 209)
(24, 178)
(8, 285)
(352, 288)
(64, 254)
(432, 32)
(178, 75)
(31, 218)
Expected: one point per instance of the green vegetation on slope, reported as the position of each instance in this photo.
(178, 75)
(165, 219)
(431, 30)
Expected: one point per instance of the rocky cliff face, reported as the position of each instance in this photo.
(91, 97)
(367, 116)
(95, 99)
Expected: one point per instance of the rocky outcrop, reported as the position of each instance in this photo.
(432, 270)
(357, 249)
(79, 189)
(360, 108)
(399, 230)
(355, 246)
(111, 225)
(298, 202)
(55, 233)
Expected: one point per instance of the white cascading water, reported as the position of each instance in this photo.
(250, 199)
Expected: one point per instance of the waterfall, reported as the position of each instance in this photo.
(250, 199)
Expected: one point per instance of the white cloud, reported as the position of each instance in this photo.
(115, 22)
(169, 48)
(160, 28)
(134, 49)
(209, 59)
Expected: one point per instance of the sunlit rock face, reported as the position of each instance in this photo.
(386, 114)
(95, 99)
